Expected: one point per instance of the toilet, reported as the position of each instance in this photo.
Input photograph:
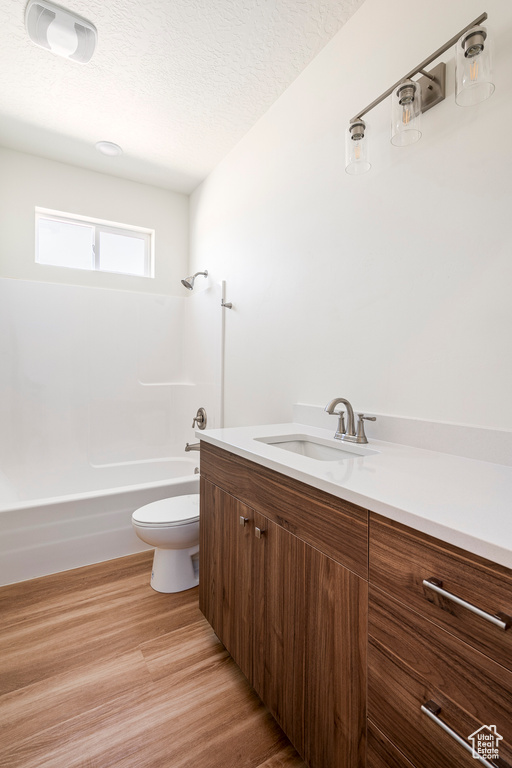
(172, 526)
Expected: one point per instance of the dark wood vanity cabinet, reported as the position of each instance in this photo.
(293, 618)
(324, 608)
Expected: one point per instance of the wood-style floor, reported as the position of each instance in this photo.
(98, 670)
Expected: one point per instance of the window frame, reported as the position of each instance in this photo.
(99, 226)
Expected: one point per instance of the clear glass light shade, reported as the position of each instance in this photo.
(356, 149)
(473, 67)
(406, 114)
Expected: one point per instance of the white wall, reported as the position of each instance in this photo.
(27, 181)
(392, 289)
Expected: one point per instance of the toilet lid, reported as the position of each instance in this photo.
(180, 509)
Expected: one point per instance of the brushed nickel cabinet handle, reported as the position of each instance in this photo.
(500, 620)
(432, 710)
(243, 520)
(258, 532)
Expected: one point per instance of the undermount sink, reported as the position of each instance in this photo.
(316, 447)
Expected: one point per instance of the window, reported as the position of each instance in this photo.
(66, 240)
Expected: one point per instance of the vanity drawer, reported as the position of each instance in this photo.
(401, 559)
(333, 526)
(413, 662)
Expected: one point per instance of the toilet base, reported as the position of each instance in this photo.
(175, 570)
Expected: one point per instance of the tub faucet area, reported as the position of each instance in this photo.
(348, 433)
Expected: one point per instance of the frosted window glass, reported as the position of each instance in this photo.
(65, 245)
(68, 240)
(119, 253)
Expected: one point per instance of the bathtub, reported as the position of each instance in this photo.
(54, 529)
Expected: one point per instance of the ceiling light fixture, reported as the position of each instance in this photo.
(412, 97)
(108, 148)
(60, 31)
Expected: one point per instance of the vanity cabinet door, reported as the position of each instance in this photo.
(226, 535)
(279, 581)
(335, 664)
(252, 592)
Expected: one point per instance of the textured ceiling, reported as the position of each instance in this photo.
(175, 82)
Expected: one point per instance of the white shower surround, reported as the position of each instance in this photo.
(97, 393)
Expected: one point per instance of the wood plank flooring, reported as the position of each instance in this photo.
(98, 670)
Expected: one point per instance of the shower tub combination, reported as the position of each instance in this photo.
(39, 536)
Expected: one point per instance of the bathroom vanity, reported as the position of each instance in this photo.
(356, 631)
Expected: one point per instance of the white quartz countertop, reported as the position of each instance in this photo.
(461, 501)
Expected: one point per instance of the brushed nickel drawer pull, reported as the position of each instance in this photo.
(432, 710)
(501, 620)
(258, 532)
(243, 520)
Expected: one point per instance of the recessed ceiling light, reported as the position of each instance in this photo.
(108, 148)
(60, 31)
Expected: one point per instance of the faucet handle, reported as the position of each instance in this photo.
(341, 422)
(340, 430)
(361, 437)
(200, 419)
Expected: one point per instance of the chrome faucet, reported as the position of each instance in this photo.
(341, 432)
(348, 433)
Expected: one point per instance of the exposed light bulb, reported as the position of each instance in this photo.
(406, 111)
(356, 148)
(473, 69)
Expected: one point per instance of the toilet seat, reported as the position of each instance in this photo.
(168, 513)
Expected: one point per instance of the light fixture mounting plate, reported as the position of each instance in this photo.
(433, 87)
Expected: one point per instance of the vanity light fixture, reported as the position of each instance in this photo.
(412, 97)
